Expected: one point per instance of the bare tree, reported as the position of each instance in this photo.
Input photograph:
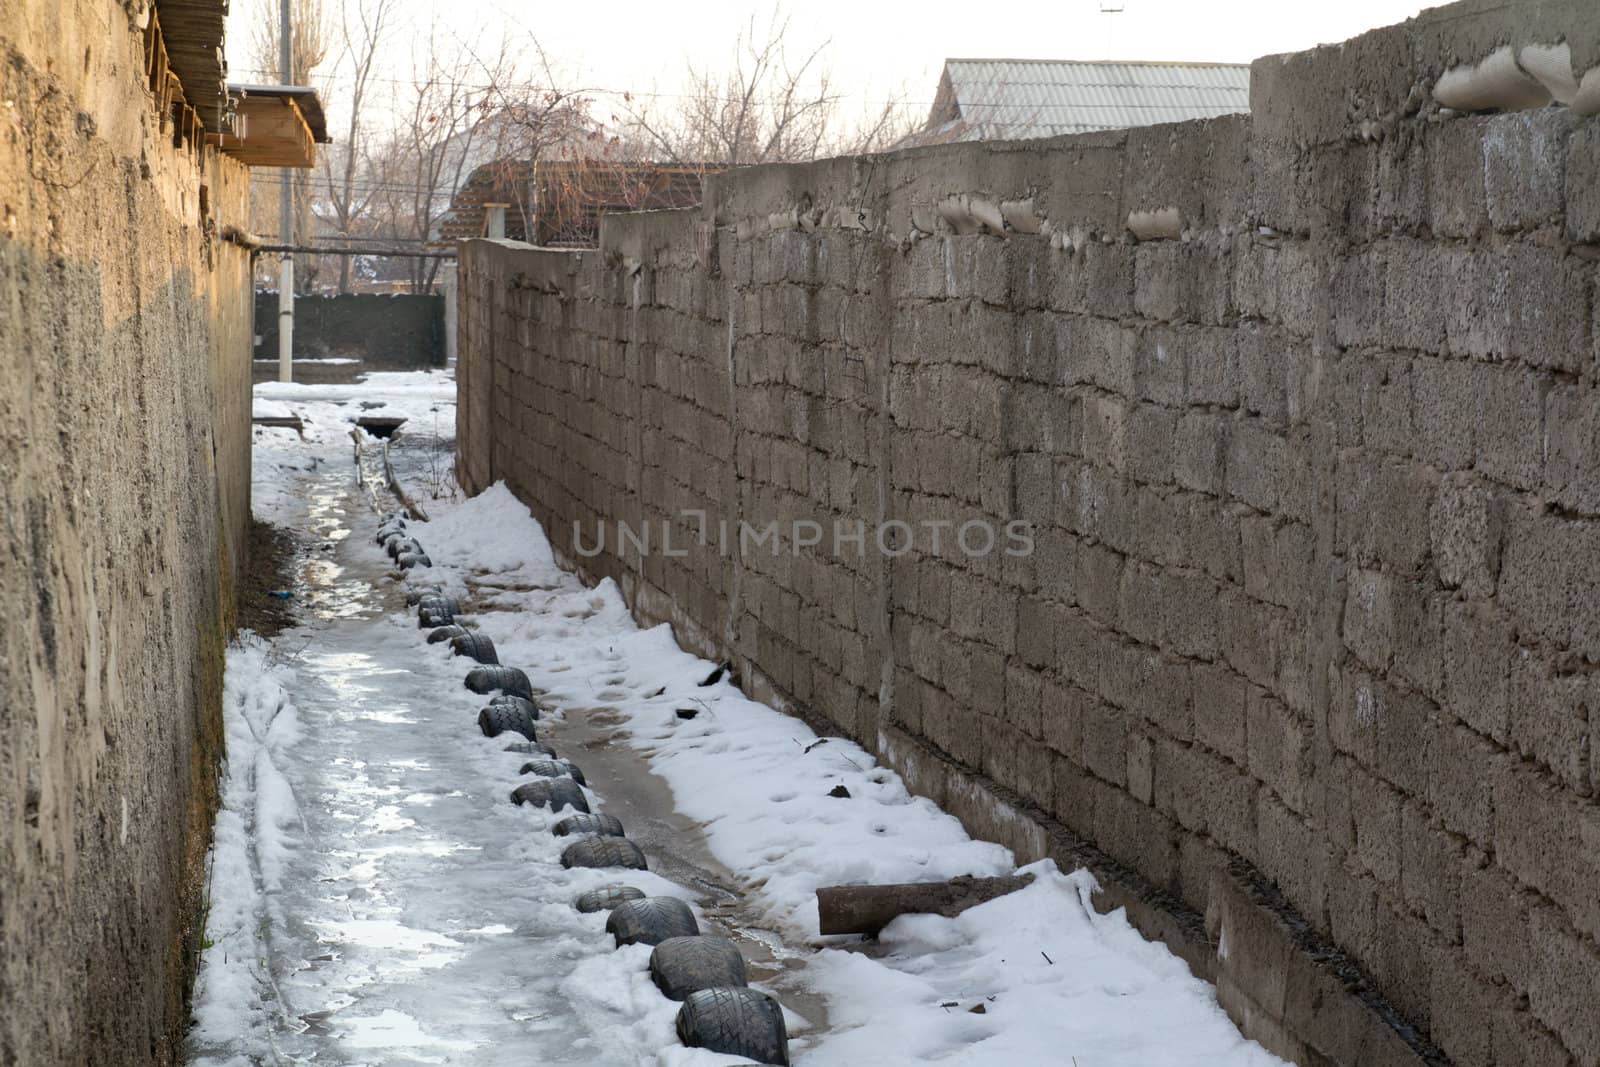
(364, 26)
(436, 140)
(767, 106)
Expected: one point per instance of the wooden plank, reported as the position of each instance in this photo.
(867, 909)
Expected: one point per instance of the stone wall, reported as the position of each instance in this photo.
(124, 502)
(1301, 411)
(384, 331)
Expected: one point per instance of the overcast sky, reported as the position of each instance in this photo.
(874, 50)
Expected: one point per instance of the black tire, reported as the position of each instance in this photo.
(548, 768)
(683, 965)
(735, 1022)
(553, 793)
(607, 896)
(532, 748)
(398, 545)
(418, 593)
(477, 646)
(502, 679)
(598, 851)
(445, 633)
(389, 532)
(406, 560)
(437, 601)
(593, 823)
(507, 700)
(429, 618)
(649, 921)
(497, 719)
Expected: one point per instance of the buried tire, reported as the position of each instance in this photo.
(445, 633)
(607, 897)
(434, 618)
(497, 719)
(598, 851)
(592, 823)
(735, 1022)
(553, 793)
(397, 545)
(406, 560)
(476, 645)
(651, 920)
(505, 679)
(506, 701)
(532, 748)
(548, 768)
(683, 965)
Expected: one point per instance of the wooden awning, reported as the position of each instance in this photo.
(275, 126)
(192, 31)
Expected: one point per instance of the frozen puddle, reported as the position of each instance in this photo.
(377, 899)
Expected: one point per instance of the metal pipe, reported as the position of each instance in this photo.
(316, 250)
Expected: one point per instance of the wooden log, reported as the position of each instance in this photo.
(866, 909)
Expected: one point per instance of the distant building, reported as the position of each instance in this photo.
(1016, 99)
(558, 203)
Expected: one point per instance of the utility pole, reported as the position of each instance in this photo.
(286, 220)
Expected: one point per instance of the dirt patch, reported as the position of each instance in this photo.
(271, 569)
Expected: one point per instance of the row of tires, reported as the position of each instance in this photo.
(705, 972)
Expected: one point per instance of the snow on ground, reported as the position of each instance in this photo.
(376, 898)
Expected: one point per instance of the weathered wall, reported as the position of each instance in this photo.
(383, 331)
(124, 499)
(1303, 664)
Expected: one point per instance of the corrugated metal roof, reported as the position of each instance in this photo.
(1007, 99)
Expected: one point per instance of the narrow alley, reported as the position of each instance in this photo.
(376, 897)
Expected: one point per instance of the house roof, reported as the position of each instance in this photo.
(566, 197)
(1013, 99)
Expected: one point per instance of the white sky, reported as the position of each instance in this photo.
(875, 50)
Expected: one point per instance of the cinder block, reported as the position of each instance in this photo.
(1572, 435)
(1444, 401)
(1221, 711)
(1062, 717)
(1549, 718)
(1457, 204)
(1524, 159)
(1105, 742)
(1149, 438)
(1256, 459)
(1477, 668)
(1550, 566)
(1461, 1004)
(1494, 923)
(1369, 616)
(1198, 446)
(1566, 974)
(1150, 685)
(1294, 854)
(1376, 807)
(1430, 871)
(1545, 836)
(1211, 359)
(1583, 184)
(1466, 525)
(1280, 751)
(1178, 281)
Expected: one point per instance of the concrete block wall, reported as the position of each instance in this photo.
(124, 507)
(1302, 660)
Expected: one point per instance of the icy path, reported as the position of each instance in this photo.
(377, 900)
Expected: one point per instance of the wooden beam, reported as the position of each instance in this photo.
(867, 909)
